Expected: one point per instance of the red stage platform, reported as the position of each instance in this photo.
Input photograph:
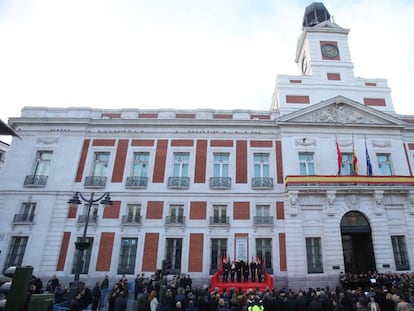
(262, 286)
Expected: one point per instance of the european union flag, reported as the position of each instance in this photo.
(369, 165)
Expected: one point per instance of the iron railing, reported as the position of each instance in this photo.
(220, 182)
(35, 180)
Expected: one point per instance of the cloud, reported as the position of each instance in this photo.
(182, 54)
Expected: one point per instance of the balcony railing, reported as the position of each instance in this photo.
(263, 220)
(175, 220)
(23, 218)
(35, 180)
(95, 181)
(178, 182)
(220, 182)
(131, 220)
(349, 180)
(262, 183)
(219, 221)
(136, 182)
(92, 219)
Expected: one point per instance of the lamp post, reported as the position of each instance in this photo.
(81, 246)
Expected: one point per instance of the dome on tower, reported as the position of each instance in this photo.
(315, 13)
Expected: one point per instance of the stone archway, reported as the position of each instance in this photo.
(357, 247)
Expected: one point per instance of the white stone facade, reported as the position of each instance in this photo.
(295, 217)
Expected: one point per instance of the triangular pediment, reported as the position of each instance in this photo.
(341, 111)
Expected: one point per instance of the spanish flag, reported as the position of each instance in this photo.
(338, 152)
(354, 161)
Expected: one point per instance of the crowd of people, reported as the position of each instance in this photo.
(355, 292)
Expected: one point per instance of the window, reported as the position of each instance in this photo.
(134, 213)
(99, 170)
(140, 165)
(314, 255)
(100, 164)
(16, 251)
(347, 166)
(221, 179)
(180, 179)
(42, 164)
(263, 215)
(127, 256)
(218, 251)
(26, 214)
(264, 252)
(262, 210)
(177, 214)
(384, 164)
(261, 164)
(306, 164)
(93, 215)
(173, 255)
(220, 214)
(221, 165)
(85, 258)
(180, 168)
(40, 170)
(400, 252)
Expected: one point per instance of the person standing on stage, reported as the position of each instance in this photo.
(238, 270)
(253, 267)
(245, 271)
(259, 271)
(232, 271)
(226, 270)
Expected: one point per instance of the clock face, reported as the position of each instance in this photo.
(329, 50)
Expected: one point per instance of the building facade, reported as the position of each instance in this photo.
(319, 185)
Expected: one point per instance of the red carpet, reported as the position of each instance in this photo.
(217, 283)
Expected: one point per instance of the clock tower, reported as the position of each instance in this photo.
(323, 45)
(326, 69)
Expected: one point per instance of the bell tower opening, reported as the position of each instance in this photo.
(357, 247)
(315, 13)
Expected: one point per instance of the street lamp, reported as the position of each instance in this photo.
(81, 246)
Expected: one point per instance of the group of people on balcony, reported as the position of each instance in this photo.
(242, 271)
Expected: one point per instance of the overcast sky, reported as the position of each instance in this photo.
(219, 54)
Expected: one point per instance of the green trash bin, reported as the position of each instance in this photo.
(41, 302)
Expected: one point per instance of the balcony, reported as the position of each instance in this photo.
(93, 219)
(23, 218)
(131, 220)
(220, 183)
(95, 181)
(136, 182)
(35, 180)
(175, 220)
(262, 183)
(350, 181)
(178, 182)
(263, 220)
(219, 221)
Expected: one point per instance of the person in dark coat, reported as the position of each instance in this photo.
(232, 271)
(226, 270)
(259, 270)
(315, 305)
(238, 271)
(121, 301)
(75, 303)
(245, 271)
(253, 267)
(96, 295)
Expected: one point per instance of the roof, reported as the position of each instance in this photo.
(7, 130)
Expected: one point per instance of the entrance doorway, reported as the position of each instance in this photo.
(357, 243)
